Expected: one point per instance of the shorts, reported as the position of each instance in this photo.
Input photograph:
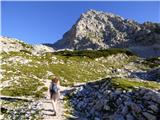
(54, 96)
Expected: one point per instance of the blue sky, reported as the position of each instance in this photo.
(46, 22)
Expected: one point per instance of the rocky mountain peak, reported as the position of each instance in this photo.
(101, 30)
(98, 14)
(97, 30)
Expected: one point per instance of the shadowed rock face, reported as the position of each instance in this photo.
(99, 30)
(100, 101)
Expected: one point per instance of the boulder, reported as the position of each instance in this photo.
(149, 116)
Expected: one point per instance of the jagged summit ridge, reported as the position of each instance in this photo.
(96, 29)
(93, 13)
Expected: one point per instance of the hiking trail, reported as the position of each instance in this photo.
(47, 108)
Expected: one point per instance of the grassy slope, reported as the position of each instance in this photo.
(71, 67)
(126, 83)
(28, 79)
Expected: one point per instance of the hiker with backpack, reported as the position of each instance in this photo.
(54, 93)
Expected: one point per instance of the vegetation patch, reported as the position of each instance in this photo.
(94, 53)
(25, 45)
(23, 87)
(71, 66)
(126, 83)
(68, 108)
(18, 109)
(79, 67)
(152, 62)
(26, 51)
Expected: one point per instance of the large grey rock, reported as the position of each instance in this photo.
(98, 106)
(149, 116)
(129, 117)
(154, 108)
(135, 108)
(154, 74)
(96, 118)
(118, 117)
(106, 107)
(125, 110)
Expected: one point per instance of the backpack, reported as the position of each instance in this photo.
(54, 88)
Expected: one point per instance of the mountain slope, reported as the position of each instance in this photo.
(27, 75)
(99, 30)
(11, 44)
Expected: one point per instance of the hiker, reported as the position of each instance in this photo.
(54, 93)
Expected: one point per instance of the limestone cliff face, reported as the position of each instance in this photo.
(100, 30)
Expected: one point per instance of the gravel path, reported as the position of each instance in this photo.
(47, 108)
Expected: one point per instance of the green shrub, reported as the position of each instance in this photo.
(26, 51)
(152, 62)
(94, 53)
(25, 45)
